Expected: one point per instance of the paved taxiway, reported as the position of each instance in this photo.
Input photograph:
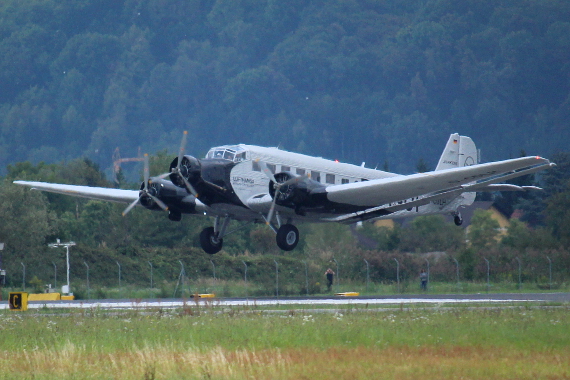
(425, 299)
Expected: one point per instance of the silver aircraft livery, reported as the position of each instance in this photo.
(280, 188)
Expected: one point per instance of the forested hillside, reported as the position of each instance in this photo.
(361, 80)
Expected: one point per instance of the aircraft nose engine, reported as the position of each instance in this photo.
(190, 168)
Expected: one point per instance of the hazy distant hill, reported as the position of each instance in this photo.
(361, 80)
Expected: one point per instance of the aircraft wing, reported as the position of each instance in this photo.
(99, 193)
(386, 191)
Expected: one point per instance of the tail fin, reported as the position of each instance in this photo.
(459, 151)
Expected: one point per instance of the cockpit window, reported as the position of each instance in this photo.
(233, 153)
(229, 154)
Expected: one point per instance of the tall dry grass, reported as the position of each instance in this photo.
(438, 343)
(453, 362)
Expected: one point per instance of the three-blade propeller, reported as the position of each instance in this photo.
(145, 191)
(177, 169)
(277, 186)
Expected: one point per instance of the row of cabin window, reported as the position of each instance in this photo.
(329, 178)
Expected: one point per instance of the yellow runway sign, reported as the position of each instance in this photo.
(18, 301)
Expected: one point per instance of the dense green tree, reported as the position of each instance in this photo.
(553, 181)
(483, 231)
(26, 222)
(558, 215)
(431, 233)
(328, 241)
(385, 238)
(520, 236)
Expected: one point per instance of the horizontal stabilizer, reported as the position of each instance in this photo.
(507, 187)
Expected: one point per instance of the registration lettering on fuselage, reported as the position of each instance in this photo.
(243, 181)
(440, 202)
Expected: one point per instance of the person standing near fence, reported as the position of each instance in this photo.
(330, 276)
(423, 279)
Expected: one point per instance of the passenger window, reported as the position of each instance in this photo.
(330, 178)
(271, 167)
(344, 180)
(285, 168)
(255, 166)
(316, 176)
(300, 171)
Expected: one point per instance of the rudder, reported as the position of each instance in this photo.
(459, 151)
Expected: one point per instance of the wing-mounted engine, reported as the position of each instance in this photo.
(160, 193)
(157, 194)
(148, 195)
(294, 191)
(189, 171)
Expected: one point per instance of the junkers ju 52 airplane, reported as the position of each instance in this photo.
(280, 188)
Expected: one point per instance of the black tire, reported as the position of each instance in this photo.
(458, 220)
(209, 242)
(175, 216)
(287, 237)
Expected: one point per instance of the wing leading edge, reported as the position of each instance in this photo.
(103, 194)
(98, 193)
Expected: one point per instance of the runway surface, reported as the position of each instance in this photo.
(420, 299)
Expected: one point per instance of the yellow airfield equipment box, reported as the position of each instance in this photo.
(49, 297)
(44, 297)
(348, 294)
(205, 295)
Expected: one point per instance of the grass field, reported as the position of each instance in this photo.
(209, 343)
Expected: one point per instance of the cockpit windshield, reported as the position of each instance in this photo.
(233, 153)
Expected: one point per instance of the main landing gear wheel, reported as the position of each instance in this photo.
(175, 216)
(457, 219)
(287, 237)
(209, 241)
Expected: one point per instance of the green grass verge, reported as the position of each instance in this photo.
(202, 342)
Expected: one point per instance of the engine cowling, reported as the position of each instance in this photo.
(190, 168)
(176, 198)
(154, 190)
(296, 194)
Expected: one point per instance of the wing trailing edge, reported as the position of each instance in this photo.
(387, 190)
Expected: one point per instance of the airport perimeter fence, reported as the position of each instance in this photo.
(261, 275)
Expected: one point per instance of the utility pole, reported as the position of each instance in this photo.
(2, 271)
(66, 288)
